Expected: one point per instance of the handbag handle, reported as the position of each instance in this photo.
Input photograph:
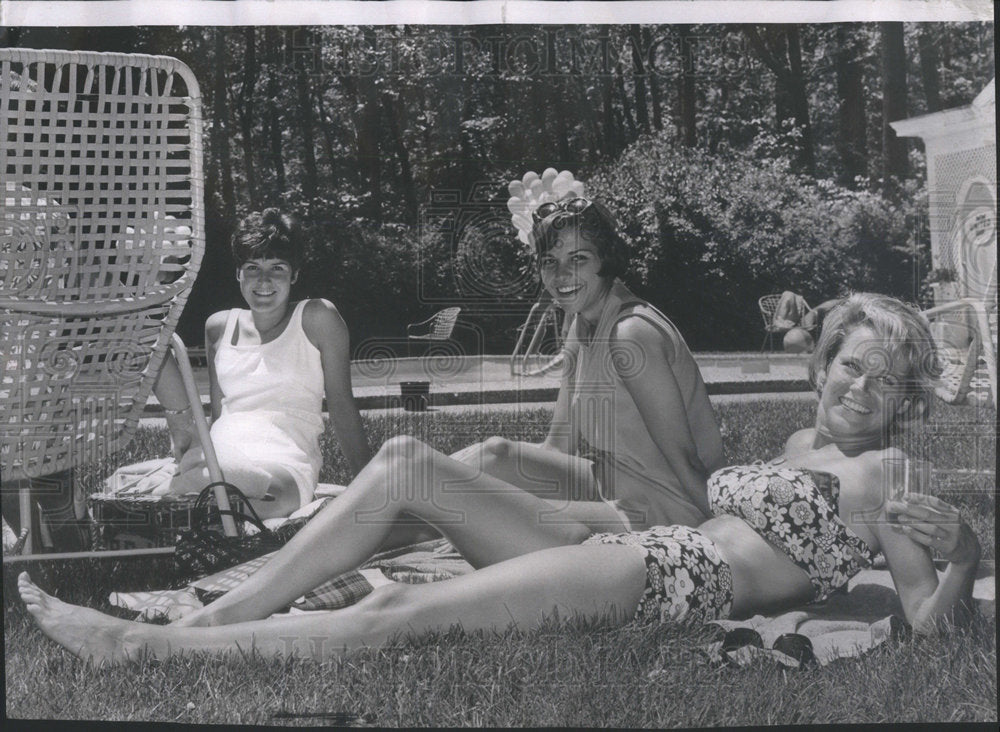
(252, 517)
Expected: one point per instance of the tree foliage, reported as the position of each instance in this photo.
(741, 159)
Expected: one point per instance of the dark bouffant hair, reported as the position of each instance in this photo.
(267, 234)
(596, 225)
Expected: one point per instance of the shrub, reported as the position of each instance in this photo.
(709, 234)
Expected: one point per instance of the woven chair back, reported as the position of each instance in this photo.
(444, 324)
(768, 304)
(438, 327)
(101, 237)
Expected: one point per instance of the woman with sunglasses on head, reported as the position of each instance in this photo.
(781, 534)
(633, 433)
(269, 368)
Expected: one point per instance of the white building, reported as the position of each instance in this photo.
(961, 146)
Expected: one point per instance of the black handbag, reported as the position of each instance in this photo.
(204, 549)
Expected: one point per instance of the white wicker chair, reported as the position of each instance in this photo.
(101, 237)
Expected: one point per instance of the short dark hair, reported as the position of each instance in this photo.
(267, 234)
(596, 225)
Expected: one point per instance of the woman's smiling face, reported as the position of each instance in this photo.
(266, 284)
(855, 386)
(569, 271)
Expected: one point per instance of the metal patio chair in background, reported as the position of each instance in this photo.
(438, 327)
(101, 237)
(768, 304)
(775, 322)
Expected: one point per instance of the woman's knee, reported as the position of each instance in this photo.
(386, 609)
(497, 447)
(401, 463)
(387, 598)
(400, 451)
(496, 452)
(403, 447)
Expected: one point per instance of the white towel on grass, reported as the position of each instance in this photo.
(846, 624)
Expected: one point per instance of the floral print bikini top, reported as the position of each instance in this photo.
(796, 510)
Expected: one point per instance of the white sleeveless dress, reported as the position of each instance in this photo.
(272, 402)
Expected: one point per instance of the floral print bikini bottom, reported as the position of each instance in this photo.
(686, 577)
(793, 508)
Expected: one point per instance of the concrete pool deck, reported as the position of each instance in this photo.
(456, 380)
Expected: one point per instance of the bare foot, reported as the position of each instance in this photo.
(84, 632)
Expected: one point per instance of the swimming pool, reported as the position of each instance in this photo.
(457, 379)
(454, 379)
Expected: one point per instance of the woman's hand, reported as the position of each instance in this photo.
(934, 523)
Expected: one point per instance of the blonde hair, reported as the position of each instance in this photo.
(906, 335)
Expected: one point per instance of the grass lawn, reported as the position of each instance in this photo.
(571, 673)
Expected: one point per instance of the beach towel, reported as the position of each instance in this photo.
(848, 624)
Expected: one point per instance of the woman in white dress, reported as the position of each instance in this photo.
(270, 367)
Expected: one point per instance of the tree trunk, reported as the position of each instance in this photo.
(852, 141)
(654, 86)
(562, 120)
(590, 117)
(368, 128)
(356, 172)
(929, 63)
(800, 100)
(893, 57)
(611, 135)
(326, 128)
(687, 99)
(782, 100)
(539, 103)
(247, 105)
(403, 156)
(626, 107)
(638, 78)
(220, 132)
(274, 116)
(790, 99)
(310, 180)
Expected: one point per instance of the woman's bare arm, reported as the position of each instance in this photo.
(560, 435)
(641, 361)
(215, 326)
(919, 523)
(170, 392)
(328, 332)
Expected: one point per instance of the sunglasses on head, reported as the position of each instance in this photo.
(573, 206)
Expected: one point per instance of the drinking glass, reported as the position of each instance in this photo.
(905, 477)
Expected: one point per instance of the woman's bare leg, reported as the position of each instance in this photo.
(283, 495)
(600, 579)
(545, 473)
(486, 519)
(271, 489)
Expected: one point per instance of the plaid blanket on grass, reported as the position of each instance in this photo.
(427, 561)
